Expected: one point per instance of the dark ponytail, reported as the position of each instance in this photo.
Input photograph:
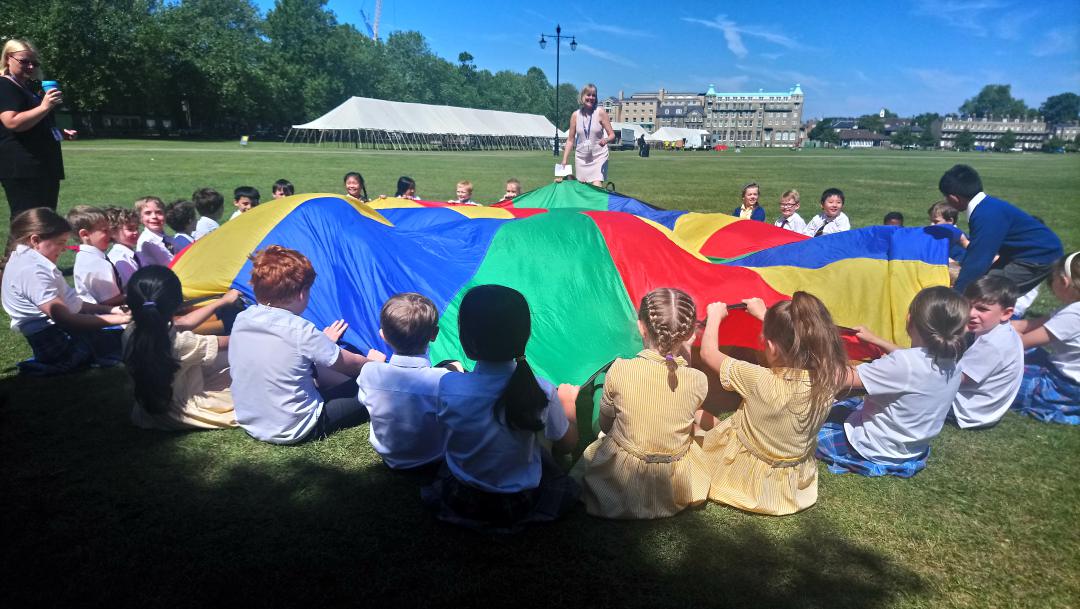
(494, 323)
(153, 295)
(940, 315)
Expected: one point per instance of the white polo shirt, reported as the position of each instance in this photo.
(31, 280)
(402, 397)
(486, 453)
(153, 248)
(1064, 347)
(908, 398)
(125, 261)
(793, 223)
(95, 277)
(272, 357)
(995, 362)
(204, 227)
(838, 224)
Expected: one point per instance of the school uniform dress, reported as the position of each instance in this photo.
(793, 223)
(272, 356)
(30, 280)
(763, 455)
(590, 158)
(204, 227)
(154, 248)
(1050, 389)
(750, 213)
(820, 225)
(995, 365)
(495, 477)
(201, 398)
(402, 399)
(31, 162)
(96, 280)
(125, 261)
(1025, 247)
(888, 432)
(647, 465)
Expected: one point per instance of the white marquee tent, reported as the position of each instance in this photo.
(694, 137)
(377, 123)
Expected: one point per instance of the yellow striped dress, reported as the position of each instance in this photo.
(763, 455)
(647, 465)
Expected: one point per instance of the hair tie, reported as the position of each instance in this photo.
(669, 357)
(149, 304)
(1068, 265)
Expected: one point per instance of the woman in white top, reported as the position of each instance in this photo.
(589, 134)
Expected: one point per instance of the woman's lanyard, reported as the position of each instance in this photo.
(587, 127)
(20, 85)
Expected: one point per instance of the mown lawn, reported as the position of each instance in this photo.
(99, 513)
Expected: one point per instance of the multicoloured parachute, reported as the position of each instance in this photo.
(582, 256)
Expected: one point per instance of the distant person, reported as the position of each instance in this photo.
(96, 279)
(245, 198)
(181, 217)
(832, 218)
(355, 187)
(588, 136)
(154, 246)
(124, 231)
(643, 147)
(1025, 247)
(789, 213)
(31, 163)
(513, 189)
(464, 192)
(1050, 390)
(749, 209)
(283, 188)
(406, 188)
(210, 205)
(943, 214)
(893, 218)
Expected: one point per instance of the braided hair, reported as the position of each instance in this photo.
(670, 319)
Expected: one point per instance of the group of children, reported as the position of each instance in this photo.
(831, 219)
(406, 189)
(487, 438)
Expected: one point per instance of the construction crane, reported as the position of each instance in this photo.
(373, 28)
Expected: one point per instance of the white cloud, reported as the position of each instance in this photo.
(613, 30)
(788, 78)
(733, 34)
(605, 55)
(969, 15)
(1056, 42)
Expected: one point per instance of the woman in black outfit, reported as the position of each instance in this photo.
(31, 165)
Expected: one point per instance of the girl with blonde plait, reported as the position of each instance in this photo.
(646, 464)
(763, 454)
(909, 392)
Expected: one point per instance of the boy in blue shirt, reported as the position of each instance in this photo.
(1025, 247)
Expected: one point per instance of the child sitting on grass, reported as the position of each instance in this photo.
(832, 218)
(245, 198)
(274, 354)
(1050, 390)
(763, 455)
(56, 323)
(180, 216)
(789, 213)
(993, 365)
(749, 208)
(154, 246)
(646, 464)
(181, 378)
(124, 231)
(909, 393)
(96, 280)
(401, 395)
(497, 475)
(210, 205)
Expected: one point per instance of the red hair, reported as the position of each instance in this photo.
(278, 274)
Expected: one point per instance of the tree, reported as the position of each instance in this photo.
(1063, 108)
(1054, 144)
(903, 137)
(927, 139)
(824, 132)
(964, 141)
(926, 119)
(1006, 142)
(996, 101)
(872, 122)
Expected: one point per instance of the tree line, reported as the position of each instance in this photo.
(221, 66)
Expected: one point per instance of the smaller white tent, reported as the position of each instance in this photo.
(636, 128)
(695, 138)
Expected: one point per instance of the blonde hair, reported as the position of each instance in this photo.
(581, 94)
(144, 201)
(790, 194)
(465, 184)
(16, 45)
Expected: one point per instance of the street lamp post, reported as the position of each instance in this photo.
(558, 48)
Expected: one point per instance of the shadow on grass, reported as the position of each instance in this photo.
(99, 513)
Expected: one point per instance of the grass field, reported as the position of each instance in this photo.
(99, 513)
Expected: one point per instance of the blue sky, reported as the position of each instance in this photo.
(851, 57)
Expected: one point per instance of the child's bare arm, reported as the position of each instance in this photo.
(710, 339)
(864, 334)
(97, 317)
(196, 317)
(1035, 338)
(1023, 326)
